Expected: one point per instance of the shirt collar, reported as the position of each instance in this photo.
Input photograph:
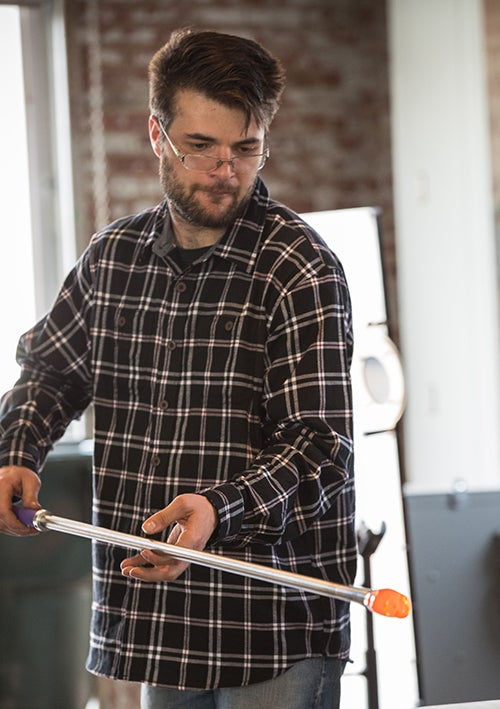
(239, 244)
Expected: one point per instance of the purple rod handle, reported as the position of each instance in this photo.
(24, 515)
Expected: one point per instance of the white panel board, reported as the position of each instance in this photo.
(378, 394)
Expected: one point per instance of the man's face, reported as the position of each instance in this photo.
(205, 127)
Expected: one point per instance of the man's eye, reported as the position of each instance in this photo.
(247, 150)
(199, 147)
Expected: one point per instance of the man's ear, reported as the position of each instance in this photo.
(155, 135)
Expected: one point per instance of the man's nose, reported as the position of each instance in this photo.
(225, 166)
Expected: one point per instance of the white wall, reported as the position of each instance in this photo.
(445, 243)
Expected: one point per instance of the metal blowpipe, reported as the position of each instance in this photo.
(386, 601)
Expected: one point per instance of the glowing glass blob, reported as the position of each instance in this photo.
(388, 602)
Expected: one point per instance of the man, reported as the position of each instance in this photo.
(212, 333)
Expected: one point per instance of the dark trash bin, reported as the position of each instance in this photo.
(45, 596)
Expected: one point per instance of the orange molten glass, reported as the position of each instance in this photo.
(389, 603)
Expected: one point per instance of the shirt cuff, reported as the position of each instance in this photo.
(228, 503)
(28, 457)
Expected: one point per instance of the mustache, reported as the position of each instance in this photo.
(219, 186)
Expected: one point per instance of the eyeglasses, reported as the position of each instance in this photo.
(209, 163)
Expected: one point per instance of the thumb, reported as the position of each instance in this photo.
(179, 510)
(31, 488)
(160, 520)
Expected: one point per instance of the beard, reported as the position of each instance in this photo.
(184, 201)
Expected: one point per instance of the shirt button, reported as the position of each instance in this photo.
(181, 287)
(228, 326)
(121, 321)
(171, 344)
(155, 461)
(163, 404)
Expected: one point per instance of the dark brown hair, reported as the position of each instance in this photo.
(234, 71)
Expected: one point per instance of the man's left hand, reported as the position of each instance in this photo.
(195, 521)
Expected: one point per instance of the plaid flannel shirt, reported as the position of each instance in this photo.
(228, 377)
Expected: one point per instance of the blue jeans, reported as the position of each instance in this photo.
(310, 684)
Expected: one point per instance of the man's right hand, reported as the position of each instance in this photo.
(17, 481)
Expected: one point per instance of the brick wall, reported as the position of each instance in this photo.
(330, 142)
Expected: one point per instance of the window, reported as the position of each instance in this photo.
(37, 243)
(17, 290)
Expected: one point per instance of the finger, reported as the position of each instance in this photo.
(10, 524)
(174, 535)
(135, 560)
(155, 573)
(188, 536)
(146, 558)
(8, 521)
(140, 567)
(31, 490)
(157, 558)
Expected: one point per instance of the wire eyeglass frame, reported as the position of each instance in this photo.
(238, 163)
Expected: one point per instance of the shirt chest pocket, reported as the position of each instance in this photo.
(141, 341)
(226, 343)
